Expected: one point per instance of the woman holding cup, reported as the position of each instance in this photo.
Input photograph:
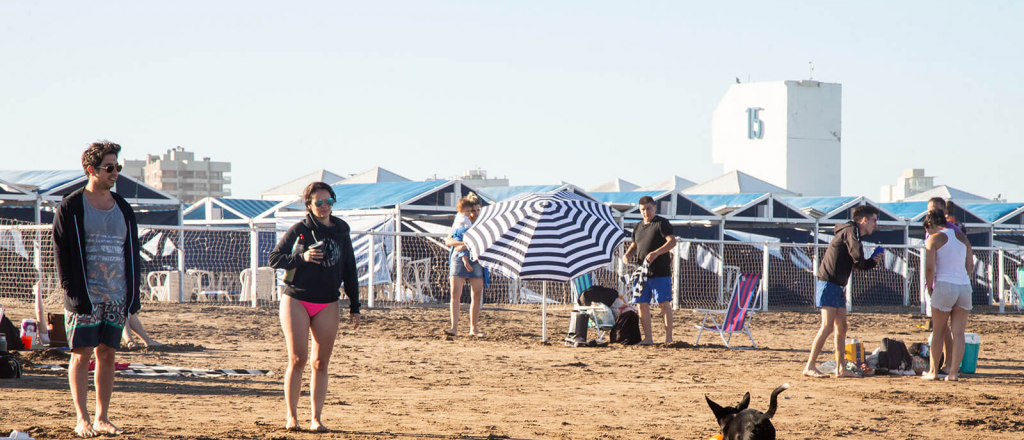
(317, 254)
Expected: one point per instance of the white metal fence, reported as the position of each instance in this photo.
(216, 264)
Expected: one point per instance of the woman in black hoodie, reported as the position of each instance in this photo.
(318, 258)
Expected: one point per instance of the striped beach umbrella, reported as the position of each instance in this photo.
(553, 236)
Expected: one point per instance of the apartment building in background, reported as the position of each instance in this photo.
(178, 173)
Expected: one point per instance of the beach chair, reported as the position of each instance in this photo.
(416, 280)
(164, 285)
(266, 284)
(599, 316)
(580, 284)
(734, 317)
(1015, 293)
(157, 281)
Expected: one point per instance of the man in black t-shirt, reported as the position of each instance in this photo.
(653, 239)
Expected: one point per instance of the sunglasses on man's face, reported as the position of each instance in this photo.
(110, 168)
(319, 203)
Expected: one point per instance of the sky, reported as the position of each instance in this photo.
(535, 91)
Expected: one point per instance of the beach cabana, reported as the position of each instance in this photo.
(1007, 220)
(763, 214)
(151, 205)
(624, 200)
(395, 208)
(500, 193)
(835, 210)
(979, 230)
(230, 211)
(18, 204)
(615, 185)
(1002, 216)
(689, 218)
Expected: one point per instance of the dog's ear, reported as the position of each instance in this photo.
(743, 402)
(715, 408)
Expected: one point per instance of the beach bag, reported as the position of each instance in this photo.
(627, 328)
(58, 334)
(918, 349)
(920, 364)
(855, 352)
(598, 294)
(12, 333)
(578, 321)
(10, 368)
(893, 356)
(638, 279)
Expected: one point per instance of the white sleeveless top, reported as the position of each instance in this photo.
(950, 259)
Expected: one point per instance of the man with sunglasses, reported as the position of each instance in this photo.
(96, 242)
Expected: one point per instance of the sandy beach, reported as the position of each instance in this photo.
(397, 377)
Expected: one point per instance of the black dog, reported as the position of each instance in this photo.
(741, 423)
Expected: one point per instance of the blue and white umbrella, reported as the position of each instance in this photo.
(553, 236)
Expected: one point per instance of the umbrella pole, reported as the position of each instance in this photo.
(544, 312)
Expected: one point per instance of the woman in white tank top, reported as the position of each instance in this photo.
(948, 263)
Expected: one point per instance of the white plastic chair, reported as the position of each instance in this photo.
(266, 284)
(416, 279)
(164, 285)
(1016, 294)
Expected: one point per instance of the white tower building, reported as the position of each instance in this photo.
(787, 133)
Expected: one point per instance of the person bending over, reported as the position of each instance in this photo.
(844, 254)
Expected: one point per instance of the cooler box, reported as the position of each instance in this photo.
(972, 345)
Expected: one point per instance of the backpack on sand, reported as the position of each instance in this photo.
(894, 356)
(12, 333)
(10, 368)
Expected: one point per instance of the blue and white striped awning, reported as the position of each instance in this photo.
(554, 236)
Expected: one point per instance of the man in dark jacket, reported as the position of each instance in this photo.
(96, 243)
(843, 255)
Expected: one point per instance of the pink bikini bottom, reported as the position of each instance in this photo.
(313, 308)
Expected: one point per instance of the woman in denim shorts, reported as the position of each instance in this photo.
(948, 261)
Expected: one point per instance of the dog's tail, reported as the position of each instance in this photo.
(774, 403)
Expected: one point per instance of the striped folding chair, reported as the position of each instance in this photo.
(581, 284)
(1016, 294)
(734, 317)
(599, 316)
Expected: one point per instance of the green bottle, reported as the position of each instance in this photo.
(298, 247)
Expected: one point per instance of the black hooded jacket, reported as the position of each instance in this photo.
(318, 282)
(69, 252)
(843, 253)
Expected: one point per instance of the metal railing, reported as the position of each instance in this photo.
(228, 265)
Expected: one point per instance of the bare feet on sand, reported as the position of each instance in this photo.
(952, 378)
(814, 373)
(845, 373)
(316, 426)
(291, 424)
(929, 376)
(645, 342)
(105, 427)
(84, 429)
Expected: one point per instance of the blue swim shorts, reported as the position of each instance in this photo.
(828, 294)
(659, 288)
